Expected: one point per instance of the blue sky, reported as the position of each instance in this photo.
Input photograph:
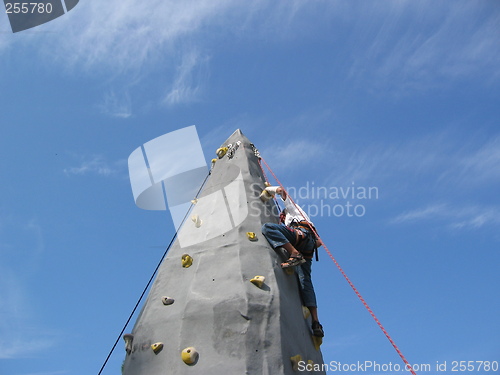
(398, 95)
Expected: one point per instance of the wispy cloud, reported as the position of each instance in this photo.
(396, 45)
(116, 105)
(419, 45)
(190, 76)
(20, 337)
(381, 162)
(471, 216)
(483, 164)
(293, 153)
(124, 34)
(96, 164)
(443, 168)
(429, 212)
(440, 159)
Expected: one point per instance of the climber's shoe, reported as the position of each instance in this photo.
(317, 329)
(293, 261)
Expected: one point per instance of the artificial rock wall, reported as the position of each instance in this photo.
(203, 314)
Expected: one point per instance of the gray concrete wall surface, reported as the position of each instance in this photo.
(235, 326)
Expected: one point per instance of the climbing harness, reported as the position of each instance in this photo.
(408, 366)
(305, 231)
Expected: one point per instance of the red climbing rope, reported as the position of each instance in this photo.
(408, 366)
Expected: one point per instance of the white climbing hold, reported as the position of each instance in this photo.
(306, 312)
(129, 339)
(196, 220)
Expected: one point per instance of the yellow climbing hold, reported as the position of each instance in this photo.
(194, 201)
(167, 300)
(189, 355)
(221, 152)
(252, 236)
(295, 361)
(186, 261)
(196, 220)
(157, 347)
(306, 312)
(310, 363)
(317, 341)
(214, 161)
(258, 281)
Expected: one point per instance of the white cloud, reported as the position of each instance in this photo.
(119, 35)
(434, 160)
(293, 153)
(21, 333)
(426, 213)
(190, 76)
(482, 165)
(383, 163)
(19, 336)
(116, 105)
(472, 216)
(94, 165)
(401, 45)
(407, 45)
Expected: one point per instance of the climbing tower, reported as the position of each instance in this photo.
(221, 304)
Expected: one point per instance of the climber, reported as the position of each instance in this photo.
(294, 233)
